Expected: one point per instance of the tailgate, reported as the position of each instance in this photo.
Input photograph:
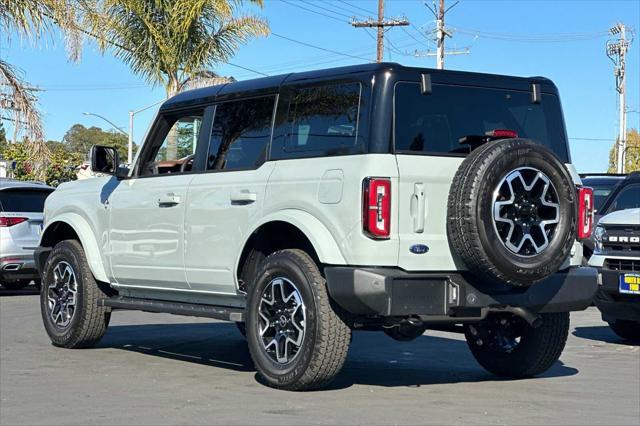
(422, 211)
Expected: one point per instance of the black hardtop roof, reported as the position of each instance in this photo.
(209, 94)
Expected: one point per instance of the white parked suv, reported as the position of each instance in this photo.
(303, 206)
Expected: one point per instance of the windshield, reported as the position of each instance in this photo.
(435, 123)
(601, 189)
(23, 201)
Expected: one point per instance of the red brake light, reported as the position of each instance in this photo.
(502, 133)
(376, 207)
(585, 212)
(6, 221)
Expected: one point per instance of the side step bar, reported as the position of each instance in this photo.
(188, 309)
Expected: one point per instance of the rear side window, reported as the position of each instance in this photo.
(321, 121)
(240, 134)
(435, 123)
(23, 201)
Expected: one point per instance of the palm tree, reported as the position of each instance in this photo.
(30, 19)
(169, 42)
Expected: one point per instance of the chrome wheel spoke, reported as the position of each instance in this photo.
(526, 211)
(282, 316)
(62, 294)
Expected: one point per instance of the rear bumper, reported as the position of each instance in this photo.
(448, 296)
(17, 267)
(613, 305)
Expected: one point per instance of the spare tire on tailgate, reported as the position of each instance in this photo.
(512, 212)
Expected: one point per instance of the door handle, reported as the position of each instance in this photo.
(418, 213)
(168, 200)
(243, 197)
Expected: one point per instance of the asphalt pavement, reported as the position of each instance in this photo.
(162, 369)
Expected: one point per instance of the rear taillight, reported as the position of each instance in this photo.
(376, 207)
(502, 133)
(6, 221)
(585, 212)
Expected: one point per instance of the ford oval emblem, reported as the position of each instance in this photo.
(418, 249)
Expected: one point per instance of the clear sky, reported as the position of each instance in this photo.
(562, 40)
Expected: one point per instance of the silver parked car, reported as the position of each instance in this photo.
(21, 214)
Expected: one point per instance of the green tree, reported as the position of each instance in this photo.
(167, 42)
(632, 154)
(80, 139)
(61, 168)
(3, 137)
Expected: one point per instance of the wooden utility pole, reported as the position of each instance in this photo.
(441, 34)
(380, 24)
(617, 51)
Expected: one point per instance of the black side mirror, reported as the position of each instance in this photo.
(105, 159)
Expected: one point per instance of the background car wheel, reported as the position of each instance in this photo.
(296, 340)
(16, 285)
(506, 345)
(68, 299)
(629, 330)
(512, 213)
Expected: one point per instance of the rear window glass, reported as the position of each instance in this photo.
(31, 201)
(435, 123)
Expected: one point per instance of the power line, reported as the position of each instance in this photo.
(247, 69)
(442, 32)
(324, 7)
(318, 47)
(380, 24)
(345, 9)
(313, 11)
(532, 38)
(356, 7)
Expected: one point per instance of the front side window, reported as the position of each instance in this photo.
(435, 123)
(240, 134)
(174, 149)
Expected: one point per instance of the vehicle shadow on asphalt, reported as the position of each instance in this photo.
(29, 291)
(601, 333)
(374, 359)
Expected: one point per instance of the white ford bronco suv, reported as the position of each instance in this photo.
(307, 205)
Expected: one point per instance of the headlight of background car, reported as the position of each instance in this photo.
(598, 236)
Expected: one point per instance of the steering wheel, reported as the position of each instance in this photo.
(187, 161)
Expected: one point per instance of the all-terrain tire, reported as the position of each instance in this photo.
(89, 321)
(629, 330)
(470, 224)
(326, 338)
(539, 348)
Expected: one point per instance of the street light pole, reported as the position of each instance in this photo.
(107, 120)
(132, 113)
(130, 146)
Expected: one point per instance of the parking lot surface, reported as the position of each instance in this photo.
(162, 369)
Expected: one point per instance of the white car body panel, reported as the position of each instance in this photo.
(620, 217)
(146, 240)
(221, 209)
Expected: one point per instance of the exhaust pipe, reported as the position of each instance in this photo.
(532, 319)
(12, 267)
